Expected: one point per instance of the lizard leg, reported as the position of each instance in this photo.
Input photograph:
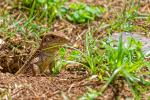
(33, 70)
(44, 64)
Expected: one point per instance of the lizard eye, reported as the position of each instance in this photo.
(53, 37)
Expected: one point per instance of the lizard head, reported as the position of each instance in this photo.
(53, 41)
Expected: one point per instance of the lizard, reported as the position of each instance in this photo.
(49, 45)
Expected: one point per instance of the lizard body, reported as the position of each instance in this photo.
(48, 47)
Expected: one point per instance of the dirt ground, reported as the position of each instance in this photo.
(67, 84)
(54, 87)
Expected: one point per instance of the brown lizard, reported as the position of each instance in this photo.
(46, 51)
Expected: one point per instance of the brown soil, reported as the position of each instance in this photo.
(67, 83)
(54, 87)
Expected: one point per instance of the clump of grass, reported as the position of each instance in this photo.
(126, 60)
(43, 9)
(125, 19)
(10, 27)
(90, 58)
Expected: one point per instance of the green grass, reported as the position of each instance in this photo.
(89, 58)
(126, 60)
(51, 9)
(125, 20)
(10, 27)
(46, 10)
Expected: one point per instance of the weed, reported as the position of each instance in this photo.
(90, 95)
(126, 60)
(43, 9)
(81, 12)
(50, 9)
(125, 19)
(90, 58)
(10, 27)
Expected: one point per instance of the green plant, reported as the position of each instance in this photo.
(126, 61)
(59, 61)
(43, 9)
(90, 95)
(10, 27)
(148, 18)
(125, 19)
(90, 58)
(81, 12)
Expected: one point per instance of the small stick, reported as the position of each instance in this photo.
(26, 64)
